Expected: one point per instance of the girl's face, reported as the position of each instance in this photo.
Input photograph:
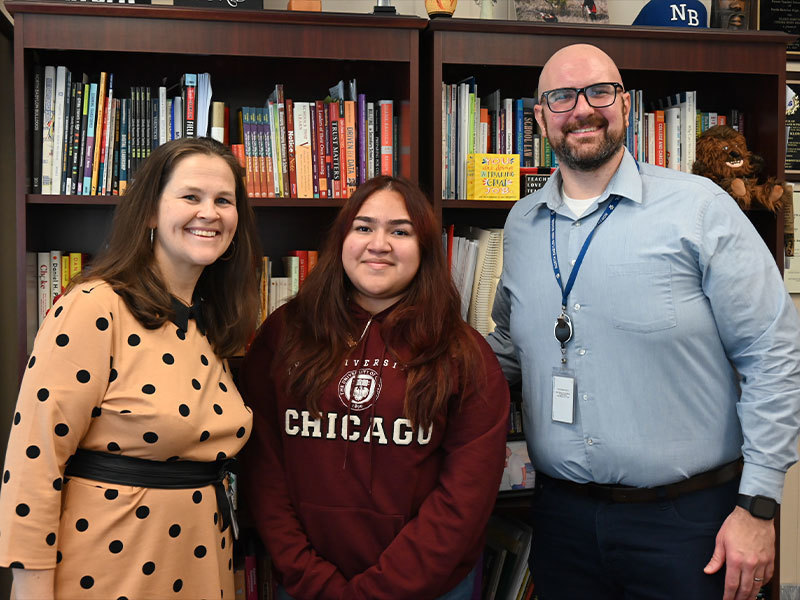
(381, 252)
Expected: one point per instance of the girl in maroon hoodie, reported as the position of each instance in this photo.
(380, 417)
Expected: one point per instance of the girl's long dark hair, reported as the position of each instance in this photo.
(229, 287)
(424, 331)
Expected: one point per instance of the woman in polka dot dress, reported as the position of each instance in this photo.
(127, 368)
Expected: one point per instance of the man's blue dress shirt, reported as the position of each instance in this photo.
(686, 346)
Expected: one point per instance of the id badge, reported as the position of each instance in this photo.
(563, 396)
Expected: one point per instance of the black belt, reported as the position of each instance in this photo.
(624, 493)
(140, 472)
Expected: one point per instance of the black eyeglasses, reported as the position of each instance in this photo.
(598, 95)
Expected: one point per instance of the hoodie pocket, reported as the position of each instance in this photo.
(350, 538)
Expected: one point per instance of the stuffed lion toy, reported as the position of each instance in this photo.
(723, 157)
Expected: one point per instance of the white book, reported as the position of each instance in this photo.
(58, 129)
(177, 117)
(278, 292)
(162, 115)
(48, 129)
(489, 264)
(291, 266)
(302, 145)
(672, 135)
(31, 298)
(509, 108)
(651, 138)
(688, 107)
(468, 278)
(43, 288)
(55, 275)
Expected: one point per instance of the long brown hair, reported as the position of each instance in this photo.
(424, 331)
(228, 287)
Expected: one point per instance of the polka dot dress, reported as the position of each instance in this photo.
(97, 379)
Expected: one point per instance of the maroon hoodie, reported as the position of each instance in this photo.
(358, 504)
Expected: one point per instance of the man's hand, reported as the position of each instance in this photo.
(746, 545)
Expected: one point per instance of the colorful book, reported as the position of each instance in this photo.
(493, 176)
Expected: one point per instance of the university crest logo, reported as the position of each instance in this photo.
(359, 389)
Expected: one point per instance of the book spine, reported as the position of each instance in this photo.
(162, 115)
(115, 155)
(291, 158)
(48, 122)
(154, 122)
(315, 167)
(319, 109)
(66, 138)
(247, 139)
(262, 137)
(386, 108)
(190, 85)
(333, 119)
(343, 152)
(55, 275)
(58, 130)
(275, 148)
(361, 107)
(350, 134)
(91, 120)
(84, 126)
(75, 158)
(36, 127)
(326, 123)
(98, 179)
(303, 149)
(44, 289)
(123, 145)
(101, 101)
(370, 134)
(284, 163)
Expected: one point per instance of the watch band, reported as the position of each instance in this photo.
(761, 507)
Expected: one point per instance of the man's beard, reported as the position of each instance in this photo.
(608, 148)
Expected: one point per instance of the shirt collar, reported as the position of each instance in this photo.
(625, 182)
(182, 313)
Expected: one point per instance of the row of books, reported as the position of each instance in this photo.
(490, 125)
(323, 148)
(506, 575)
(277, 290)
(89, 141)
(475, 256)
(48, 275)
(666, 135)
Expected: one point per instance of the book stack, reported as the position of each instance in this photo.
(506, 575)
(323, 148)
(89, 141)
(277, 290)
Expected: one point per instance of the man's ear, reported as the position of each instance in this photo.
(538, 113)
(626, 107)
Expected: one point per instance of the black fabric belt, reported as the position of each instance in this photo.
(623, 493)
(140, 472)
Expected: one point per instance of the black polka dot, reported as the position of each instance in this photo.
(195, 384)
(83, 376)
(197, 497)
(32, 451)
(102, 323)
(218, 409)
(115, 547)
(31, 362)
(6, 476)
(50, 539)
(148, 388)
(224, 368)
(81, 524)
(111, 494)
(240, 433)
(23, 510)
(122, 598)
(62, 339)
(17, 418)
(168, 359)
(216, 518)
(204, 360)
(150, 437)
(223, 387)
(174, 530)
(184, 410)
(177, 586)
(61, 429)
(133, 340)
(87, 582)
(148, 567)
(181, 334)
(200, 551)
(58, 311)
(222, 543)
(43, 394)
(204, 436)
(57, 483)
(230, 564)
(221, 455)
(125, 412)
(142, 512)
(58, 556)
(16, 565)
(112, 376)
(113, 447)
(96, 411)
(173, 458)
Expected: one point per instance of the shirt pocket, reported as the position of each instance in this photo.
(641, 296)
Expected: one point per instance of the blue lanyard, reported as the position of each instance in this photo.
(554, 256)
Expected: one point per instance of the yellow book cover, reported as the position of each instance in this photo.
(493, 177)
(75, 264)
(64, 272)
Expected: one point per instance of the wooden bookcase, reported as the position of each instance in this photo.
(246, 53)
(742, 70)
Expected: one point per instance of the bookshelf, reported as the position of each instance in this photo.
(246, 53)
(742, 70)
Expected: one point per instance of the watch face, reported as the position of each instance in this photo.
(763, 507)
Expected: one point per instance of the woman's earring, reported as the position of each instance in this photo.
(152, 235)
(232, 248)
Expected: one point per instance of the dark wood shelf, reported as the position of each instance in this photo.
(66, 199)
